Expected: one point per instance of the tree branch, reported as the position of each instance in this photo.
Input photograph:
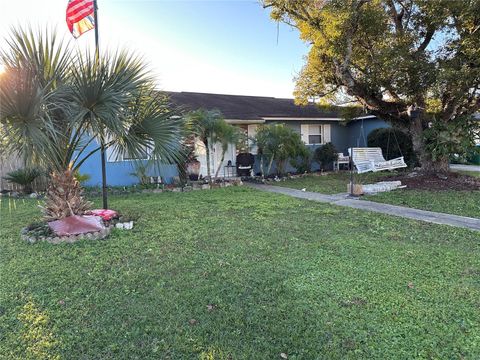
(396, 16)
(427, 39)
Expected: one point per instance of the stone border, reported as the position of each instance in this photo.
(99, 235)
(194, 186)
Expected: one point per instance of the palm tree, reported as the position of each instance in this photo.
(226, 135)
(206, 125)
(56, 102)
(278, 143)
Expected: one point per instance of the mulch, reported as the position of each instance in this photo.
(440, 182)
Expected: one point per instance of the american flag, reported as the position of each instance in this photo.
(80, 16)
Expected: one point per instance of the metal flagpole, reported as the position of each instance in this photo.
(102, 140)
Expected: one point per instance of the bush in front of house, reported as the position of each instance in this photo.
(303, 161)
(24, 178)
(277, 143)
(394, 143)
(326, 155)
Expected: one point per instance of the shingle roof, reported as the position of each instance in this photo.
(250, 107)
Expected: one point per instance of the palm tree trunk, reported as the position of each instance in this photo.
(207, 145)
(262, 169)
(221, 163)
(270, 165)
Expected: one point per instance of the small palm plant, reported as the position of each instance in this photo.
(141, 173)
(24, 178)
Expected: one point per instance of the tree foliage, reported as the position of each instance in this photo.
(414, 63)
(207, 126)
(55, 101)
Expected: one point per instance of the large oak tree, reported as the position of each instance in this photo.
(414, 63)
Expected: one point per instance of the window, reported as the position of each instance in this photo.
(143, 155)
(314, 134)
(113, 154)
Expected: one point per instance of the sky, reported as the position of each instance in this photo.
(226, 46)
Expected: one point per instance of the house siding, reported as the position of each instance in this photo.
(339, 133)
(358, 138)
(120, 173)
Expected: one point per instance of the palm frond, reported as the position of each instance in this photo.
(154, 125)
(55, 102)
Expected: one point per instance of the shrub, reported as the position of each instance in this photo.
(384, 138)
(23, 177)
(279, 143)
(303, 161)
(81, 178)
(326, 155)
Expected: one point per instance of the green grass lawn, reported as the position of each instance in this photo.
(240, 274)
(464, 203)
(469, 173)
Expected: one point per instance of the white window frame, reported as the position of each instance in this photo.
(325, 133)
(113, 156)
(315, 130)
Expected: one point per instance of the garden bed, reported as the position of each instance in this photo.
(448, 181)
(33, 235)
(42, 231)
(157, 189)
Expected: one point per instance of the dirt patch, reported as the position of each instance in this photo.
(443, 182)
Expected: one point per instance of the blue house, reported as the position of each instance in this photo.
(317, 126)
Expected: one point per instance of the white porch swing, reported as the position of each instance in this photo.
(370, 159)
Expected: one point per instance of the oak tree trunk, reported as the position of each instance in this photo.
(427, 163)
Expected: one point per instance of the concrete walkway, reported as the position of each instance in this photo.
(473, 168)
(401, 211)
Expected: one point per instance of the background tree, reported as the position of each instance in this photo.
(278, 143)
(206, 124)
(414, 63)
